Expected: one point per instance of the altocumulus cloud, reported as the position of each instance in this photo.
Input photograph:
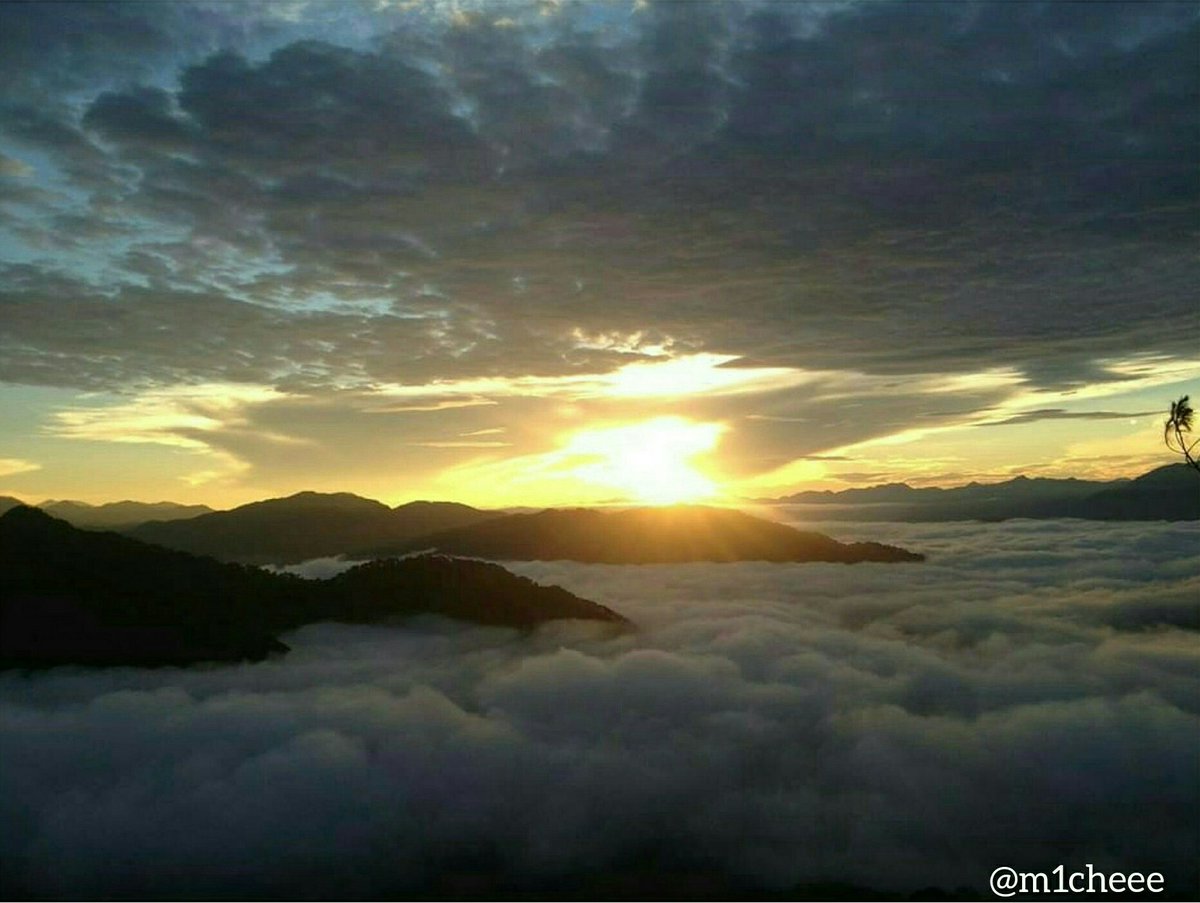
(897, 188)
(1027, 696)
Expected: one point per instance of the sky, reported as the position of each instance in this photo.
(536, 253)
(1029, 696)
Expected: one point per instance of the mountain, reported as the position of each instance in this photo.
(118, 515)
(7, 501)
(1166, 493)
(304, 526)
(466, 590)
(644, 536)
(77, 596)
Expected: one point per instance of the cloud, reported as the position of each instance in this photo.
(1027, 696)
(1060, 414)
(874, 187)
(678, 378)
(177, 416)
(10, 466)
(13, 168)
(206, 419)
(464, 443)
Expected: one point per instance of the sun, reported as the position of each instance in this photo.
(649, 461)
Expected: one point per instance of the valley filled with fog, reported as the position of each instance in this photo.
(1028, 696)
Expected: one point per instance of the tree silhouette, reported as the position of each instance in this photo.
(1179, 422)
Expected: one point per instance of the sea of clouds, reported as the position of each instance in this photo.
(1030, 695)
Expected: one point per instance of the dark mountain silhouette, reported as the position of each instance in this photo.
(7, 502)
(1171, 492)
(644, 536)
(1166, 493)
(76, 596)
(118, 515)
(303, 526)
(475, 591)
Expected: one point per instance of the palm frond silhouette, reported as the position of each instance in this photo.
(1178, 423)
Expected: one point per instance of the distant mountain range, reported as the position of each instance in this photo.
(305, 526)
(72, 596)
(119, 515)
(642, 536)
(1166, 493)
(317, 525)
(110, 516)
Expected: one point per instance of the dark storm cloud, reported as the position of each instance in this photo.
(1026, 696)
(886, 187)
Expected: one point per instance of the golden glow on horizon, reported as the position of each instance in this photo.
(649, 461)
(643, 432)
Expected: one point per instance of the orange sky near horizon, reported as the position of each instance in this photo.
(638, 435)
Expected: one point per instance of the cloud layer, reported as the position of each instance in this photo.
(1027, 697)
(967, 180)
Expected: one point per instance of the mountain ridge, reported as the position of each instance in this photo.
(303, 526)
(72, 596)
(1169, 492)
(643, 536)
(118, 515)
